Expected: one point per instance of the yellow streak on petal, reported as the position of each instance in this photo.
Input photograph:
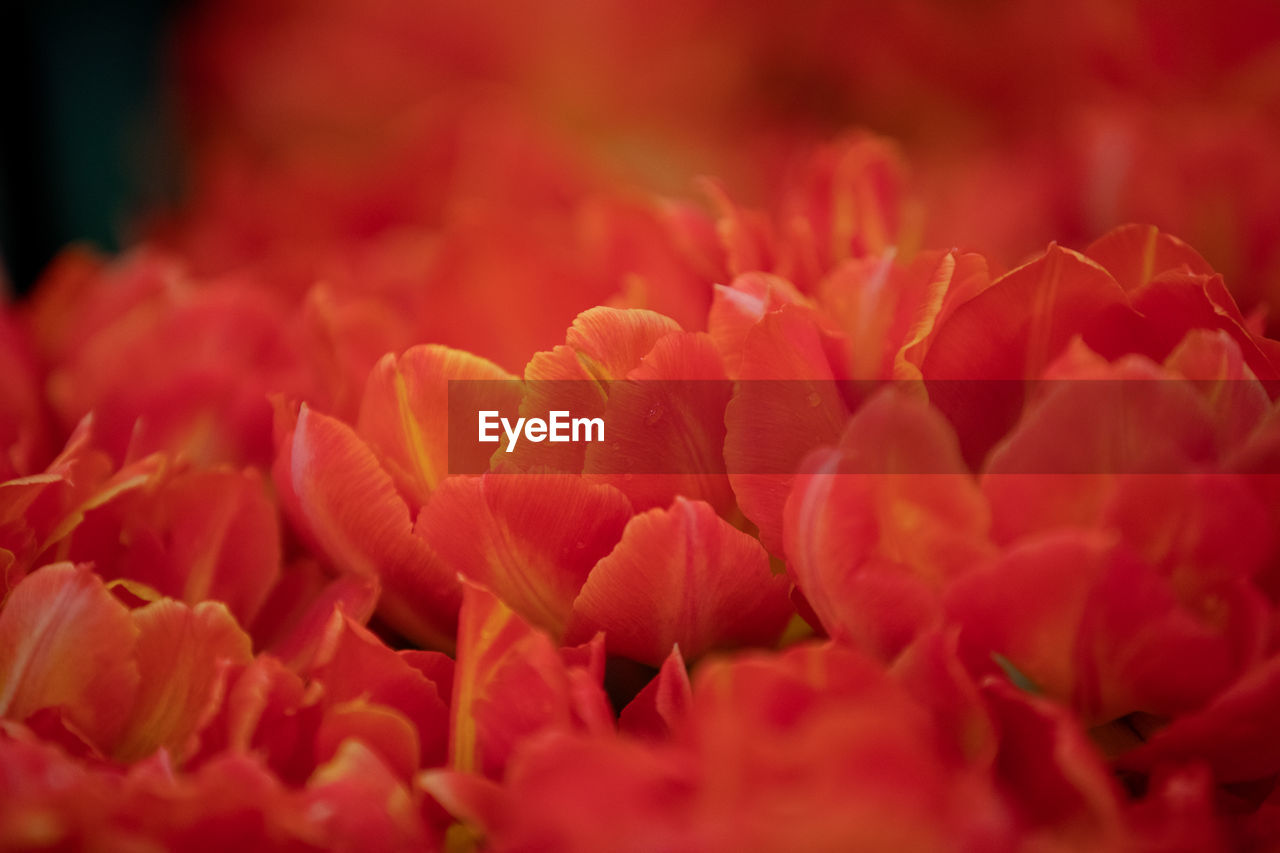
(417, 442)
(463, 755)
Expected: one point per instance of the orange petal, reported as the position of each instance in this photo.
(194, 535)
(872, 300)
(1062, 792)
(894, 498)
(25, 445)
(1013, 330)
(270, 712)
(786, 404)
(735, 309)
(1174, 303)
(361, 803)
(811, 732)
(1028, 608)
(292, 623)
(603, 344)
(354, 664)
(1065, 456)
(557, 379)
(663, 704)
(1135, 254)
(1214, 361)
(361, 524)
(66, 642)
(226, 803)
(681, 575)
(931, 671)
(664, 427)
(574, 792)
(21, 536)
(383, 730)
(1199, 530)
(1091, 625)
(610, 342)
(239, 534)
(510, 684)
(1233, 733)
(745, 235)
(404, 416)
(182, 656)
(851, 201)
(51, 798)
(344, 334)
(955, 279)
(531, 538)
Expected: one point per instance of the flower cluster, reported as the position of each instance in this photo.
(887, 547)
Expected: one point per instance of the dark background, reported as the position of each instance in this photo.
(88, 136)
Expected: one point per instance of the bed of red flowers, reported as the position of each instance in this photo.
(969, 539)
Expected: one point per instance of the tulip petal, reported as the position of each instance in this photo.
(681, 576)
(530, 538)
(610, 342)
(931, 671)
(1055, 778)
(65, 642)
(363, 803)
(1177, 302)
(663, 704)
(738, 307)
(194, 534)
(956, 279)
(1233, 733)
(270, 712)
(510, 684)
(1135, 254)
(356, 665)
(787, 403)
(1214, 361)
(1089, 624)
(362, 525)
(664, 427)
(382, 730)
(602, 345)
(881, 524)
(182, 654)
(292, 623)
(404, 416)
(1012, 330)
(1081, 437)
(850, 201)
